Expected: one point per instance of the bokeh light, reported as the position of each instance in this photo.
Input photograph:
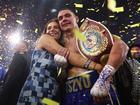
(14, 38)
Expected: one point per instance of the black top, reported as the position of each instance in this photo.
(14, 79)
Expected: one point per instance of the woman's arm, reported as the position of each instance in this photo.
(49, 43)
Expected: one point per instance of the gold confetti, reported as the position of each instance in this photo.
(134, 25)
(111, 4)
(111, 16)
(134, 38)
(78, 5)
(134, 35)
(119, 9)
(36, 30)
(91, 9)
(19, 14)
(134, 51)
(2, 19)
(79, 35)
(139, 9)
(82, 20)
(130, 16)
(97, 10)
(19, 22)
(49, 102)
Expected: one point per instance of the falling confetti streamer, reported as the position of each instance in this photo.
(134, 25)
(111, 4)
(134, 38)
(78, 5)
(49, 102)
(82, 20)
(91, 9)
(2, 19)
(19, 22)
(36, 30)
(119, 9)
(79, 35)
(139, 9)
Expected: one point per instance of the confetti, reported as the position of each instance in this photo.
(78, 5)
(79, 35)
(134, 38)
(139, 9)
(49, 102)
(36, 30)
(119, 9)
(134, 25)
(91, 9)
(111, 4)
(20, 22)
(2, 19)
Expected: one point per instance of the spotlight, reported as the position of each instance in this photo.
(14, 38)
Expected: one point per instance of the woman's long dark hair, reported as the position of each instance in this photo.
(61, 41)
(46, 25)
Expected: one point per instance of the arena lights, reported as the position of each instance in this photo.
(14, 38)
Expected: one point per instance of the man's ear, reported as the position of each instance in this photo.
(77, 19)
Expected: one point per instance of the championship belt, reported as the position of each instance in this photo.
(98, 40)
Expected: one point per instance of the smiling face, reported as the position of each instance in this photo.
(67, 20)
(53, 29)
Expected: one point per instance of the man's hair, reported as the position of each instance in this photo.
(46, 25)
(70, 9)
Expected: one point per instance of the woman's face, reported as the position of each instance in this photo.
(53, 29)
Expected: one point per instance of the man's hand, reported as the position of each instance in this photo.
(102, 85)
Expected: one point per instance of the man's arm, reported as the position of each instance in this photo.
(50, 44)
(118, 53)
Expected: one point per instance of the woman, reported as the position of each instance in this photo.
(41, 81)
